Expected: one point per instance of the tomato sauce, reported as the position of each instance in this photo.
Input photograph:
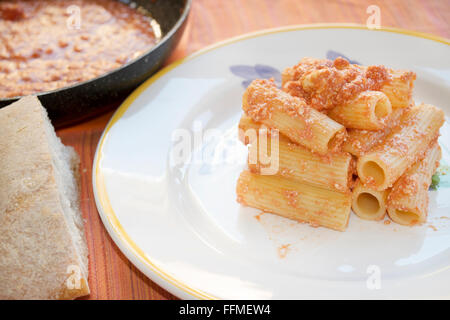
(50, 44)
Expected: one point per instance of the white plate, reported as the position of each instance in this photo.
(181, 225)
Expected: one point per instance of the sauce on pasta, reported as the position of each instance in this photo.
(325, 84)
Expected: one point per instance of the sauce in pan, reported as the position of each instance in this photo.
(50, 44)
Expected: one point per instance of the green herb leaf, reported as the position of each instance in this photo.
(435, 181)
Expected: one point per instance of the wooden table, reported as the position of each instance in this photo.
(111, 275)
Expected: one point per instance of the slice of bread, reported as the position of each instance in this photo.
(43, 251)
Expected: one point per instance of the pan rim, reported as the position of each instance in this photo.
(164, 39)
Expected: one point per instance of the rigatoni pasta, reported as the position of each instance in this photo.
(265, 103)
(294, 200)
(400, 88)
(360, 141)
(369, 111)
(248, 129)
(408, 200)
(297, 162)
(368, 203)
(333, 120)
(383, 165)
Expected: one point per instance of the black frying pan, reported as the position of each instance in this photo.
(86, 99)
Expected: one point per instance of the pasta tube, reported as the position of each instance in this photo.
(367, 203)
(384, 164)
(369, 111)
(294, 200)
(408, 200)
(265, 103)
(333, 171)
(360, 141)
(248, 129)
(400, 88)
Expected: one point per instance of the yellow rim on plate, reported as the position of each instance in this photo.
(101, 194)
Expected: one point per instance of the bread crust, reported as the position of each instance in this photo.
(37, 248)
